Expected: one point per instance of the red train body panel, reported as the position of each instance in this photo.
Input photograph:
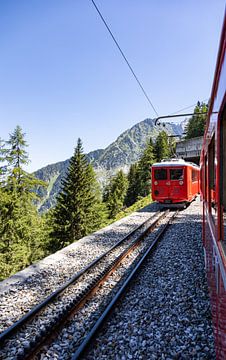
(175, 181)
(213, 193)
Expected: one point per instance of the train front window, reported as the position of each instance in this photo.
(176, 174)
(160, 174)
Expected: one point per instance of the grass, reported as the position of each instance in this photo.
(135, 207)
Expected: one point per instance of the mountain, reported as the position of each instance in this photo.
(124, 151)
(184, 123)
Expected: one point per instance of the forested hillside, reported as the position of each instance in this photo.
(123, 152)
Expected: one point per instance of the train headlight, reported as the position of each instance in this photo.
(156, 182)
(181, 182)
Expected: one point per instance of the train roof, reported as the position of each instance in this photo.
(175, 162)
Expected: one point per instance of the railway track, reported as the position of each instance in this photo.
(87, 295)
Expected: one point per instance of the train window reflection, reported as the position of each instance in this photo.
(212, 177)
(194, 176)
(160, 174)
(223, 178)
(176, 174)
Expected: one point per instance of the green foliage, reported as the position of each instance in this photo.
(3, 167)
(115, 192)
(15, 155)
(196, 124)
(161, 148)
(22, 232)
(139, 204)
(132, 191)
(144, 168)
(78, 211)
(139, 176)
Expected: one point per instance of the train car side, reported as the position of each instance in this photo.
(213, 193)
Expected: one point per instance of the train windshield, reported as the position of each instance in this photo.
(160, 174)
(176, 174)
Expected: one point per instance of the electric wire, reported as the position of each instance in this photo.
(124, 57)
(188, 107)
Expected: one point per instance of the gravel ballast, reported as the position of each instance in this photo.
(24, 290)
(166, 312)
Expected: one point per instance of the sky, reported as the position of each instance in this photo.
(62, 77)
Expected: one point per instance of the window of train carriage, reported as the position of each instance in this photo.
(223, 178)
(212, 177)
(160, 174)
(176, 174)
(194, 175)
(205, 175)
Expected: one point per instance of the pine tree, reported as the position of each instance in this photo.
(196, 124)
(144, 169)
(161, 148)
(139, 176)
(16, 157)
(3, 167)
(132, 191)
(115, 192)
(78, 210)
(21, 234)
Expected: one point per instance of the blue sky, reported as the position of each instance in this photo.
(62, 77)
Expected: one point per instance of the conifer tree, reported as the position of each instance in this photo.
(21, 233)
(139, 176)
(115, 192)
(132, 191)
(78, 210)
(161, 148)
(144, 169)
(20, 226)
(16, 156)
(3, 167)
(196, 124)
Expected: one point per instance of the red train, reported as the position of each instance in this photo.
(213, 192)
(175, 182)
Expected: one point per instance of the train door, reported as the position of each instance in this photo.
(194, 182)
(161, 180)
(189, 183)
(177, 182)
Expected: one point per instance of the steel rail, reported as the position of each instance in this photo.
(28, 316)
(99, 323)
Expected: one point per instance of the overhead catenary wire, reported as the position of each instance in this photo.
(124, 57)
(188, 107)
(175, 113)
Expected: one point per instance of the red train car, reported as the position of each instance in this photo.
(213, 192)
(175, 182)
